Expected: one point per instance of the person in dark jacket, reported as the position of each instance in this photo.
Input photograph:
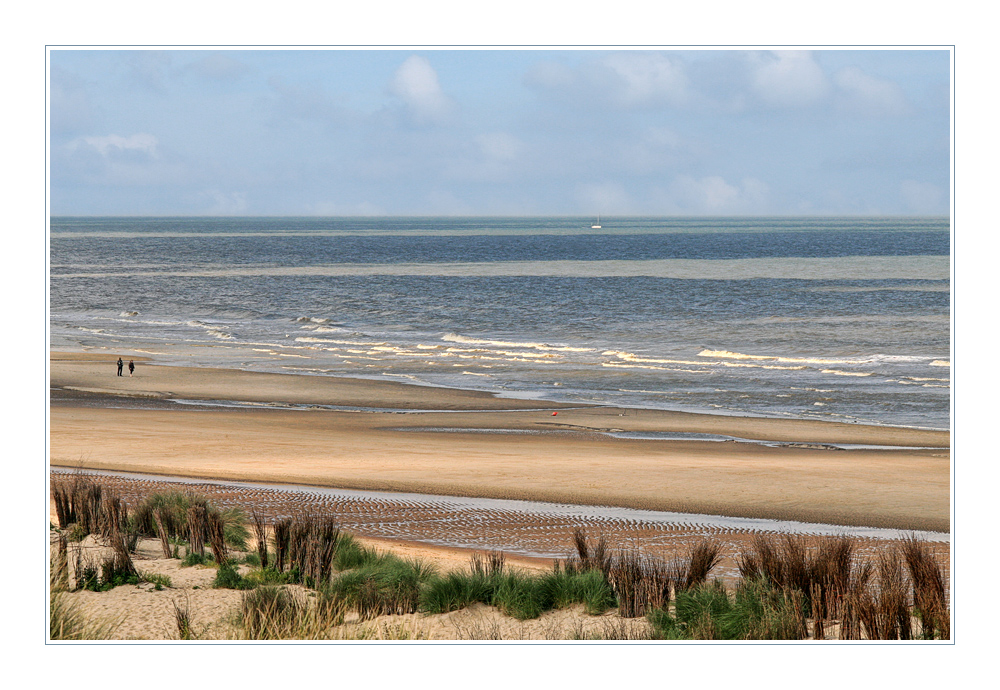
(120, 364)
(131, 367)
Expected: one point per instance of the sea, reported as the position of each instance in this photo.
(840, 319)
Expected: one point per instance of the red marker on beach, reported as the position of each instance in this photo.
(554, 414)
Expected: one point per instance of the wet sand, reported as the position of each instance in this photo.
(532, 534)
(444, 441)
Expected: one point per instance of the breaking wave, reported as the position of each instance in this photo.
(455, 338)
(725, 354)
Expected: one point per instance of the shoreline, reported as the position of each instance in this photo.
(430, 440)
(81, 372)
(462, 399)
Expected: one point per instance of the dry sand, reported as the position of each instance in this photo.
(142, 612)
(101, 421)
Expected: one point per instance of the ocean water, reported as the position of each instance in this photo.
(845, 319)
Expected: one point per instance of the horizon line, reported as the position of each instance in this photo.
(494, 215)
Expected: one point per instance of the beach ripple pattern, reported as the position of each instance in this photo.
(525, 528)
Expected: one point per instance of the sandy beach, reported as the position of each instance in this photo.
(470, 342)
(466, 443)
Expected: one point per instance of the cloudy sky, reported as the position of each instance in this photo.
(499, 132)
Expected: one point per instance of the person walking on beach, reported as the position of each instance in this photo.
(131, 367)
(120, 365)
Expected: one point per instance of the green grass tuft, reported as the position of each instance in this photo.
(228, 578)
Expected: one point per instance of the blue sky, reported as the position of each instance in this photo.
(499, 132)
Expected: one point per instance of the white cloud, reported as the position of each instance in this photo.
(113, 144)
(644, 78)
(788, 78)
(416, 84)
(712, 194)
(866, 94)
(628, 79)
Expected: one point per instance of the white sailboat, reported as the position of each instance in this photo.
(597, 225)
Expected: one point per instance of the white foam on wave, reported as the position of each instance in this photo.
(618, 365)
(455, 338)
(409, 377)
(744, 365)
(631, 357)
(306, 339)
(725, 354)
(214, 330)
(837, 372)
(532, 355)
(940, 363)
(888, 359)
(865, 359)
(161, 323)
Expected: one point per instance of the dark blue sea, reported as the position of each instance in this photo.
(844, 319)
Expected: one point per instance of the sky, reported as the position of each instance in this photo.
(332, 132)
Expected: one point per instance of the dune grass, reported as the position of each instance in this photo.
(789, 589)
(756, 611)
(276, 613)
(385, 585)
(67, 622)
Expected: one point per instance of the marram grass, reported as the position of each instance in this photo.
(789, 589)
